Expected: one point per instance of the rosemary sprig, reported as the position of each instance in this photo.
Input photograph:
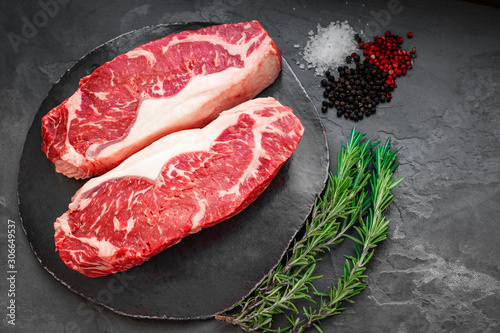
(343, 204)
(370, 232)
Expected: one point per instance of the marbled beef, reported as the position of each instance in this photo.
(178, 185)
(180, 81)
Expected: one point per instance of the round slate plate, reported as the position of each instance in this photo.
(208, 272)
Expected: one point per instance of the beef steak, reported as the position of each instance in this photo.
(178, 82)
(178, 185)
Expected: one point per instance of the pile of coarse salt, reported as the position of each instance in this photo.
(330, 46)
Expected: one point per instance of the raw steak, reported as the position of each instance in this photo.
(178, 185)
(178, 82)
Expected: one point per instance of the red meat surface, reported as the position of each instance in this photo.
(178, 82)
(182, 183)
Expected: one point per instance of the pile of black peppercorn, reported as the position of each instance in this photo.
(356, 91)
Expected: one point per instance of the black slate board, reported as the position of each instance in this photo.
(208, 272)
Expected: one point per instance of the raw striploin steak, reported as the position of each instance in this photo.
(180, 81)
(178, 185)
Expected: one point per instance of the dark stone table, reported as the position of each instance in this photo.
(439, 269)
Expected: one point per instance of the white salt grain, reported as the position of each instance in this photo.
(330, 46)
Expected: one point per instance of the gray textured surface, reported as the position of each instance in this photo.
(439, 271)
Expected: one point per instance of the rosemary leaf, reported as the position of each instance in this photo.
(344, 204)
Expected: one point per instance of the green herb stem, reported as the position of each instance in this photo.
(344, 205)
(370, 232)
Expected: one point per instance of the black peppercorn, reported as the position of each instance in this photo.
(358, 89)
